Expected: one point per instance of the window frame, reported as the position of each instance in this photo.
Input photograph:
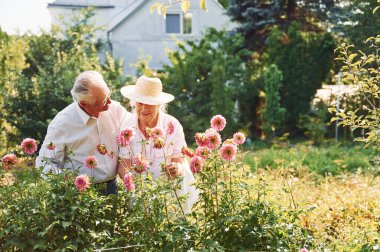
(181, 23)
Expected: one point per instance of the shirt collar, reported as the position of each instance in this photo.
(82, 114)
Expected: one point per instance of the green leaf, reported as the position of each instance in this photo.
(155, 6)
(352, 56)
(164, 10)
(202, 4)
(374, 10)
(185, 5)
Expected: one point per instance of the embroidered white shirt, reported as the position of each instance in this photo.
(76, 136)
(173, 149)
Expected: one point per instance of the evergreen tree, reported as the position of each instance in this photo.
(273, 114)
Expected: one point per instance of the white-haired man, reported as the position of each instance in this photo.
(91, 121)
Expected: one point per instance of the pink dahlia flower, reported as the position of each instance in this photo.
(125, 136)
(239, 138)
(159, 143)
(157, 132)
(90, 162)
(128, 182)
(228, 151)
(82, 182)
(170, 128)
(50, 146)
(218, 122)
(196, 164)
(9, 160)
(187, 152)
(304, 250)
(101, 149)
(201, 139)
(214, 139)
(29, 145)
(202, 152)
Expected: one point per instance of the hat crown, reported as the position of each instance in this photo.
(149, 86)
(147, 91)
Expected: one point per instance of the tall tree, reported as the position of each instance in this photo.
(257, 17)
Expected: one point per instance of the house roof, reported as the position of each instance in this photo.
(130, 9)
(81, 4)
(115, 21)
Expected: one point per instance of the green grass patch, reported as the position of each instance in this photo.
(327, 159)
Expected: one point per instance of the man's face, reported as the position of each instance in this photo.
(102, 102)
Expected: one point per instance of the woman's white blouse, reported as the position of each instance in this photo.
(172, 149)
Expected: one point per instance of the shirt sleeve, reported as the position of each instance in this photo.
(125, 120)
(52, 160)
(125, 117)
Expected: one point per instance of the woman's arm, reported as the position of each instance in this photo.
(175, 168)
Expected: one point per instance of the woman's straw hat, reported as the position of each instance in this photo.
(147, 91)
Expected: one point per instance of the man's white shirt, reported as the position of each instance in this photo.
(76, 136)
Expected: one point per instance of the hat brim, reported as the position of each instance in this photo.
(130, 93)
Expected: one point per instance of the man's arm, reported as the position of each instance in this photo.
(52, 153)
(123, 164)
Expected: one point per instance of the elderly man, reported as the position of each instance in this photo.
(83, 129)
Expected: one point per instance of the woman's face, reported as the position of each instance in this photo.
(147, 112)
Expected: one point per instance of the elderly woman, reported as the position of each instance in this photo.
(149, 102)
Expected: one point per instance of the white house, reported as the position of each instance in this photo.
(130, 28)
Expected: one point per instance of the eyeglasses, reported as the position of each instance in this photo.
(108, 97)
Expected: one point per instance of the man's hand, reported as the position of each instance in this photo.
(122, 165)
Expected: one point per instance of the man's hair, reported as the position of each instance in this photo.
(84, 84)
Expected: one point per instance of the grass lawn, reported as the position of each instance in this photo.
(335, 189)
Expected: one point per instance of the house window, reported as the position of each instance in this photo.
(179, 23)
(187, 18)
(172, 23)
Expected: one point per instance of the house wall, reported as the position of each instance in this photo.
(100, 19)
(142, 32)
(145, 32)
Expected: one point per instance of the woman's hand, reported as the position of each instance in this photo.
(174, 169)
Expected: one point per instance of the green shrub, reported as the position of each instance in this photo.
(209, 77)
(305, 60)
(230, 214)
(37, 70)
(273, 114)
(53, 215)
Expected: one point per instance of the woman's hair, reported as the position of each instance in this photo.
(163, 107)
(85, 83)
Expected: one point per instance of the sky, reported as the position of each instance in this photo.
(19, 16)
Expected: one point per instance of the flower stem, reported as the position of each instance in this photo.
(216, 188)
(179, 203)
(166, 209)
